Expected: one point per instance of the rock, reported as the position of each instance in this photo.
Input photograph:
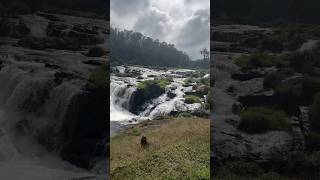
(10, 27)
(94, 62)
(97, 52)
(244, 76)
(171, 94)
(202, 90)
(236, 108)
(60, 76)
(52, 66)
(264, 98)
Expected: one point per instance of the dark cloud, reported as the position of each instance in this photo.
(184, 23)
(195, 34)
(196, 30)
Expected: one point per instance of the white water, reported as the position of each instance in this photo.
(122, 88)
(28, 94)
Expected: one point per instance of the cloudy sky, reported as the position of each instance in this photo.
(184, 23)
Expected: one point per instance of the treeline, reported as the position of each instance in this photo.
(253, 11)
(128, 47)
(13, 7)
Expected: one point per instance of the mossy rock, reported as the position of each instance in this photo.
(258, 120)
(190, 99)
(147, 90)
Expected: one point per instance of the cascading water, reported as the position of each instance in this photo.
(122, 88)
(120, 95)
(31, 105)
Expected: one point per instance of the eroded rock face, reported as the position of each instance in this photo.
(44, 84)
(230, 96)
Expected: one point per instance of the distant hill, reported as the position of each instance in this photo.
(302, 11)
(128, 47)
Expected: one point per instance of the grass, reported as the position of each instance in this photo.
(179, 149)
(190, 99)
(257, 120)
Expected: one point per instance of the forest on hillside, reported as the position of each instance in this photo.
(128, 47)
(252, 11)
(98, 7)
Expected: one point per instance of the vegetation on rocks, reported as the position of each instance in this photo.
(255, 61)
(178, 149)
(257, 120)
(153, 88)
(100, 78)
(190, 99)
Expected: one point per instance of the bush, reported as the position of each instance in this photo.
(314, 114)
(190, 99)
(256, 60)
(257, 120)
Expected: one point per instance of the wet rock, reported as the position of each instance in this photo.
(202, 90)
(244, 76)
(171, 94)
(52, 66)
(10, 27)
(236, 108)
(93, 62)
(97, 52)
(264, 98)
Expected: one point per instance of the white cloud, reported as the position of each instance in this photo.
(184, 23)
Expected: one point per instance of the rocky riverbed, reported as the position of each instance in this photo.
(235, 90)
(53, 119)
(128, 106)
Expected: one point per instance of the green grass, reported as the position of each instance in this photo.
(190, 99)
(179, 149)
(257, 120)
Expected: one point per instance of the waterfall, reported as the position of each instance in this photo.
(120, 95)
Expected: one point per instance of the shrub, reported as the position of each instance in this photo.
(314, 114)
(257, 120)
(256, 60)
(190, 99)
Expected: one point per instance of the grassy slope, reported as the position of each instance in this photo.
(179, 149)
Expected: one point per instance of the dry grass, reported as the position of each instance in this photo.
(184, 140)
